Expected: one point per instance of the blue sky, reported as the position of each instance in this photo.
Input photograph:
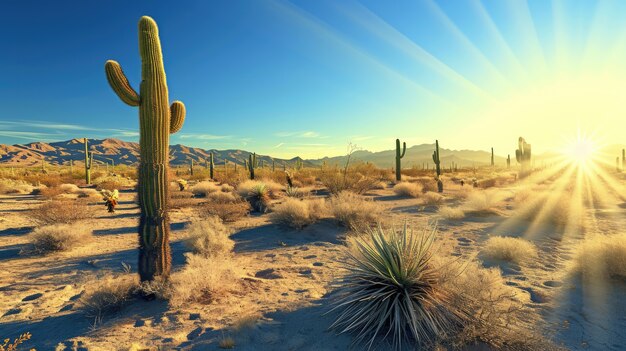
(307, 77)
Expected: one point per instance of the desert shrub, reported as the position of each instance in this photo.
(557, 210)
(431, 198)
(509, 249)
(50, 192)
(7, 345)
(227, 187)
(250, 186)
(108, 295)
(61, 211)
(354, 211)
(59, 237)
(205, 188)
(483, 202)
(408, 189)
(112, 182)
(428, 183)
(601, 256)
(223, 197)
(297, 192)
(451, 213)
(88, 193)
(256, 193)
(380, 185)
(203, 280)
(298, 213)
(392, 291)
(336, 181)
(10, 186)
(226, 211)
(184, 199)
(209, 237)
(487, 183)
(69, 188)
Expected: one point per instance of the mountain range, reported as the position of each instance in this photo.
(124, 152)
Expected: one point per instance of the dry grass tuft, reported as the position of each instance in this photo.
(451, 213)
(227, 343)
(431, 198)
(297, 213)
(59, 237)
(601, 256)
(408, 189)
(61, 211)
(108, 295)
(509, 249)
(483, 202)
(226, 211)
(203, 280)
(209, 238)
(10, 186)
(354, 211)
(223, 197)
(205, 188)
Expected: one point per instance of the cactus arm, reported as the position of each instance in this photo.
(119, 83)
(403, 149)
(177, 116)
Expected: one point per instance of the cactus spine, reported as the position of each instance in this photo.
(157, 120)
(399, 156)
(252, 164)
(492, 163)
(88, 162)
(523, 155)
(437, 162)
(211, 165)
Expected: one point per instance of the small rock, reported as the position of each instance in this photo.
(318, 264)
(269, 273)
(310, 257)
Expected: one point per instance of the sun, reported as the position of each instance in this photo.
(581, 150)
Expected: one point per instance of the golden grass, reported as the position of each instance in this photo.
(509, 249)
(226, 211)
(451, 213)
(108, 295)
(11, 186)
(483, 202)
(205, 188)
(297, 213)
(408, 189)
(601, 256)
(209, 237)
(431, 198)
(61, 211)
(59, 237)
(354, 211)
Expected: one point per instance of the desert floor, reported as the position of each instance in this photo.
(286, 277)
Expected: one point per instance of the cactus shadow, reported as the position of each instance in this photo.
(11, 252)
(16, 231)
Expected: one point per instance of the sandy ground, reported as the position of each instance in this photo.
(286, 282)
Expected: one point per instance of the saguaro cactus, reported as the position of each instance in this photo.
(88, 162)
(157, 120)
(508, 161)
(523, 155)
(399, 156)
(437, 162)
(492, 163)
(251, 164)
(211, 165)
(623, 158)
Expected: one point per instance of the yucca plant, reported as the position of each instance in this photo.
(259, 198)
(391, 292)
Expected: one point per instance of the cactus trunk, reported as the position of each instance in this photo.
(399, 156)
(88, 162)
(437, 162)
(492, 160)
(211, 165)
(157, 120)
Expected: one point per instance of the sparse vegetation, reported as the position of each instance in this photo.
(408, 189)
(61, 212)
(451, 213)
(59, 237)
(601, 256)
(354, 211)
(297, 213)
(209, 237)
(108, 295)
(509, 249)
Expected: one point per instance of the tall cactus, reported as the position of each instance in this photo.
(508, 161)
(251, 164)
(492, 163)
(88, 162)
(523, 155)
(399, 156)
(623, 158)
(211, 165)
(157, 120)
(191, 167)
(437, 162)
(273, 166)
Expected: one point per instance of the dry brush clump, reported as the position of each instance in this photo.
(451, 213)
(257, 193)
(509, 249)
(483, 203)
(59, 237)
(431, 198)
(61, 211)
(297, 213)
(601, 256)
(226, 211)
(408, 189)
(108, 295)
(8, 345)
(11, 186)
(209, 237)
(354, 211)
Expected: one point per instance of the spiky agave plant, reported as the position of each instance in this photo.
(259, 198)
(391, 291)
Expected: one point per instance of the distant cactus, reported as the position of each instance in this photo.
(508, 161)
(88, 162)
(617, 164)
(211, 166)
(71, 167)
(399, 156)
(191, 167)
(273, 166)
(523, 155)
(623, 158)
(157, 120)
(437, 162)
(251, 164)
(492, 160)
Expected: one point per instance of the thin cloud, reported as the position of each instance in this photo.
(25, 135)
(300, 134)
(202, 136)
(46, 125)
(278, 145)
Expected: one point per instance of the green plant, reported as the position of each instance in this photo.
(437, 162)
(88, 162)
(391, 290)
(251, 164)
(523, 155)
(157, 120)
(259, 198)
(399, 156)
(212, 165)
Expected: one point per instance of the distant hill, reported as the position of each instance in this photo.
(120, 152)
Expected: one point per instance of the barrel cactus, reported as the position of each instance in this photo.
(157, 120)
(399, 156)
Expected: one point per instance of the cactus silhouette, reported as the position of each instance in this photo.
(399, 156)
(88, 162)
(251, 165)
(523, 155)
(211, 165)
(508, 161)
(437, 162)
(492, 163)
(157, 120)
